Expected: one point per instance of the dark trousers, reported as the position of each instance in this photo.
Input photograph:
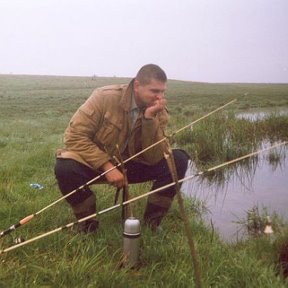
(71, 175)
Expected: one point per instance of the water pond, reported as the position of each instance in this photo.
(266, 187)
(259, 114)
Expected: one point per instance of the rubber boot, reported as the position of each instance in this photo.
(84, 209)
(156, 208)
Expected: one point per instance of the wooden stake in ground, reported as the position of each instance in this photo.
(195, 259)
(126, 209)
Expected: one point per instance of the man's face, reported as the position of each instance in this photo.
(147, 95)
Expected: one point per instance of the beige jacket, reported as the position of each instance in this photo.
(103, 121)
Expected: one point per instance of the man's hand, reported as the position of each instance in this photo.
(156, 107)
(114, 177)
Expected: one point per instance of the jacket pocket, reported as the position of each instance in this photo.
(108, 133)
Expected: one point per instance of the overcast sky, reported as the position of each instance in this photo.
(196, 40)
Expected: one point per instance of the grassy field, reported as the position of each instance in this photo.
(35, 110)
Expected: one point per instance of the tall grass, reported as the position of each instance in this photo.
(222, 138)
(34, 113)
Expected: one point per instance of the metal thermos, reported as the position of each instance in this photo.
(131, 241)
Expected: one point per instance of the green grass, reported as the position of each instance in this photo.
(35, 110)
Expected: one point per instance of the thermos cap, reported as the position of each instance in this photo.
(132, 226)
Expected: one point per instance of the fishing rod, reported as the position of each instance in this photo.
(204, 172)
(28, 218)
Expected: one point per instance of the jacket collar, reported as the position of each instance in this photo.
(125, 101)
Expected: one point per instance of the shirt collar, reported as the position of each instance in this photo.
(133, 103)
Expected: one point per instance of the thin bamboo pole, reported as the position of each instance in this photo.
(28, 218)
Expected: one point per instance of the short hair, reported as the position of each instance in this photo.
(149, 72)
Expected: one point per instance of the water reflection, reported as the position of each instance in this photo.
(267, 186)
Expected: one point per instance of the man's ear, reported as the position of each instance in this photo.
(136, 85)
